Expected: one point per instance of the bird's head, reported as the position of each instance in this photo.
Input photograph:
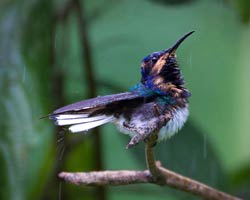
(160, 71)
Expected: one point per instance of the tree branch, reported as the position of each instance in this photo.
(183, 183)
(127, 177)
(155, 174)
(121, 177)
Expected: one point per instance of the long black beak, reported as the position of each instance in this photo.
(177, 44)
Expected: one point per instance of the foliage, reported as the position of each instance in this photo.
(41, 68)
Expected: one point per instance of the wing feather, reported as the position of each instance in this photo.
(97, 102)
(87, 114)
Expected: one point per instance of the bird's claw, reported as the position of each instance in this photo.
(135, 140)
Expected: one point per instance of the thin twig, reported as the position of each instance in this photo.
(150, 159)
(89, 73)
(90, 81)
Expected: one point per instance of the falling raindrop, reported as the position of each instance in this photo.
(62, 150)
(55, 41)
(24, 74)
(205, 146)
(190, 60)
(61, 144)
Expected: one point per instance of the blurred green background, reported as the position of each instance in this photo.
(57, 52)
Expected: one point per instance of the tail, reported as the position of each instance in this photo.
(80, 122)
(90, 113)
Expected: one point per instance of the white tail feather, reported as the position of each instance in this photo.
(61, 121)
(70, 116)
(91, 124)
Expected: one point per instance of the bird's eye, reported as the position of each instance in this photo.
(154, 59)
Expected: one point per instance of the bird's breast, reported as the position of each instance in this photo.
(148, 117)
(179, 117)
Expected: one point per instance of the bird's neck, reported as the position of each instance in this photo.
(165, 93)
(143, 90)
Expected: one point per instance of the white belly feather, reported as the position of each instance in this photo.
(175, 124)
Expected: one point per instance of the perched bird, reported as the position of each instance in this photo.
(158, 104)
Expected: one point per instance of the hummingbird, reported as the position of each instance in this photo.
(158, 104)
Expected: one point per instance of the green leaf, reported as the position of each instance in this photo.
(213, 61)
(25, 140)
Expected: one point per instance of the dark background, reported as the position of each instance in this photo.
(54, 52)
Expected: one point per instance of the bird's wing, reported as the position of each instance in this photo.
(100, 101)
(87, 114)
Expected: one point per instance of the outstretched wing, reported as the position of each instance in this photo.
(87, 114)
(97, 102)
